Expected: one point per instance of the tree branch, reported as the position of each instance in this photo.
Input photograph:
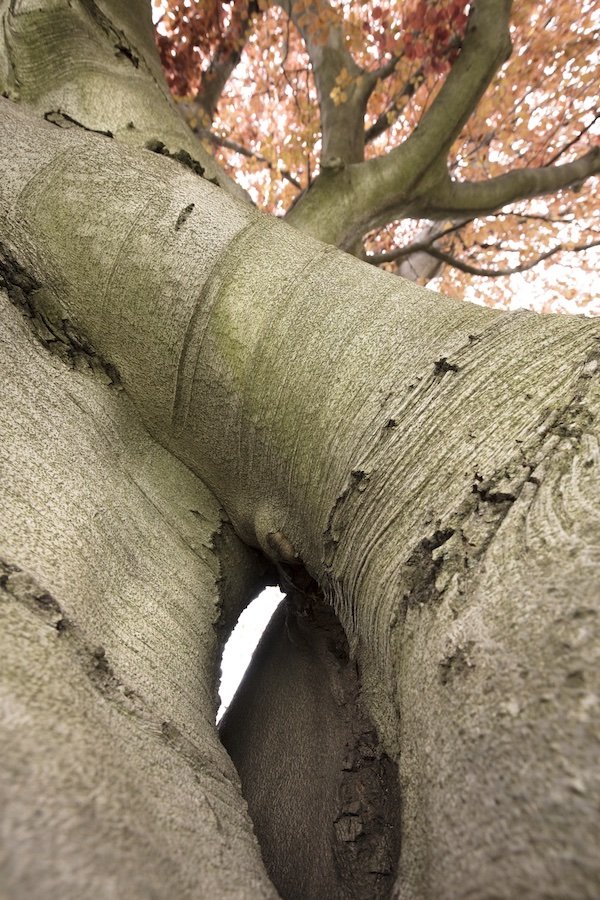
(378, 259)
(385, 70)
(450, 260)
(401, 182)
(485, 47)
(476, 198)
(224, 61)
(249, 154)
(395, 108)
(342, 105)
(570, 144)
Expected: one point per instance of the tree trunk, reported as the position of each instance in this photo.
(432, 465)
(118, 577)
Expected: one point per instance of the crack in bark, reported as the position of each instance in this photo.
(357, 482)
(419, 582)
(184, 216)
(441, 366)
(20, 586)
(122, 46)
(64, 120)
(56, 334)
(126, 51)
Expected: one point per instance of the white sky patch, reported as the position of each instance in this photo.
(159, 7)
(242, 643)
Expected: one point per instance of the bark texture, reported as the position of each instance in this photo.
(433, 465)
(116, 572)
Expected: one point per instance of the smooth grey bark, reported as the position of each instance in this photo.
(433, 464)
(118, 575)
(94, 63)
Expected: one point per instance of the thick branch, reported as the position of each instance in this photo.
(224, 61)
(486, 46)
(403, 181)
(476, 198)
(342, 104)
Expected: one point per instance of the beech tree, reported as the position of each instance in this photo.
(199, 399)
(290, 95)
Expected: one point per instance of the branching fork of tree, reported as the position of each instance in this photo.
(424, 177)
(196, 400)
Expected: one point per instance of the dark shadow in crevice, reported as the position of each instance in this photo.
(322, 794)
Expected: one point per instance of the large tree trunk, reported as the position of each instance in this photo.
(432, 465)
(113, 601)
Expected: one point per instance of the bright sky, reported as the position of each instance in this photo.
(244, 638)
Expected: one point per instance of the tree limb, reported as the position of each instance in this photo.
(378, 259)
(138, 107)
(385, 70)
(486, 46)
(224, 61)
(412, 181)
(450, 260)
(577, 137)
(249, 154)
(391, 114)
(476, 198)
(378, 190)
(342, 106)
